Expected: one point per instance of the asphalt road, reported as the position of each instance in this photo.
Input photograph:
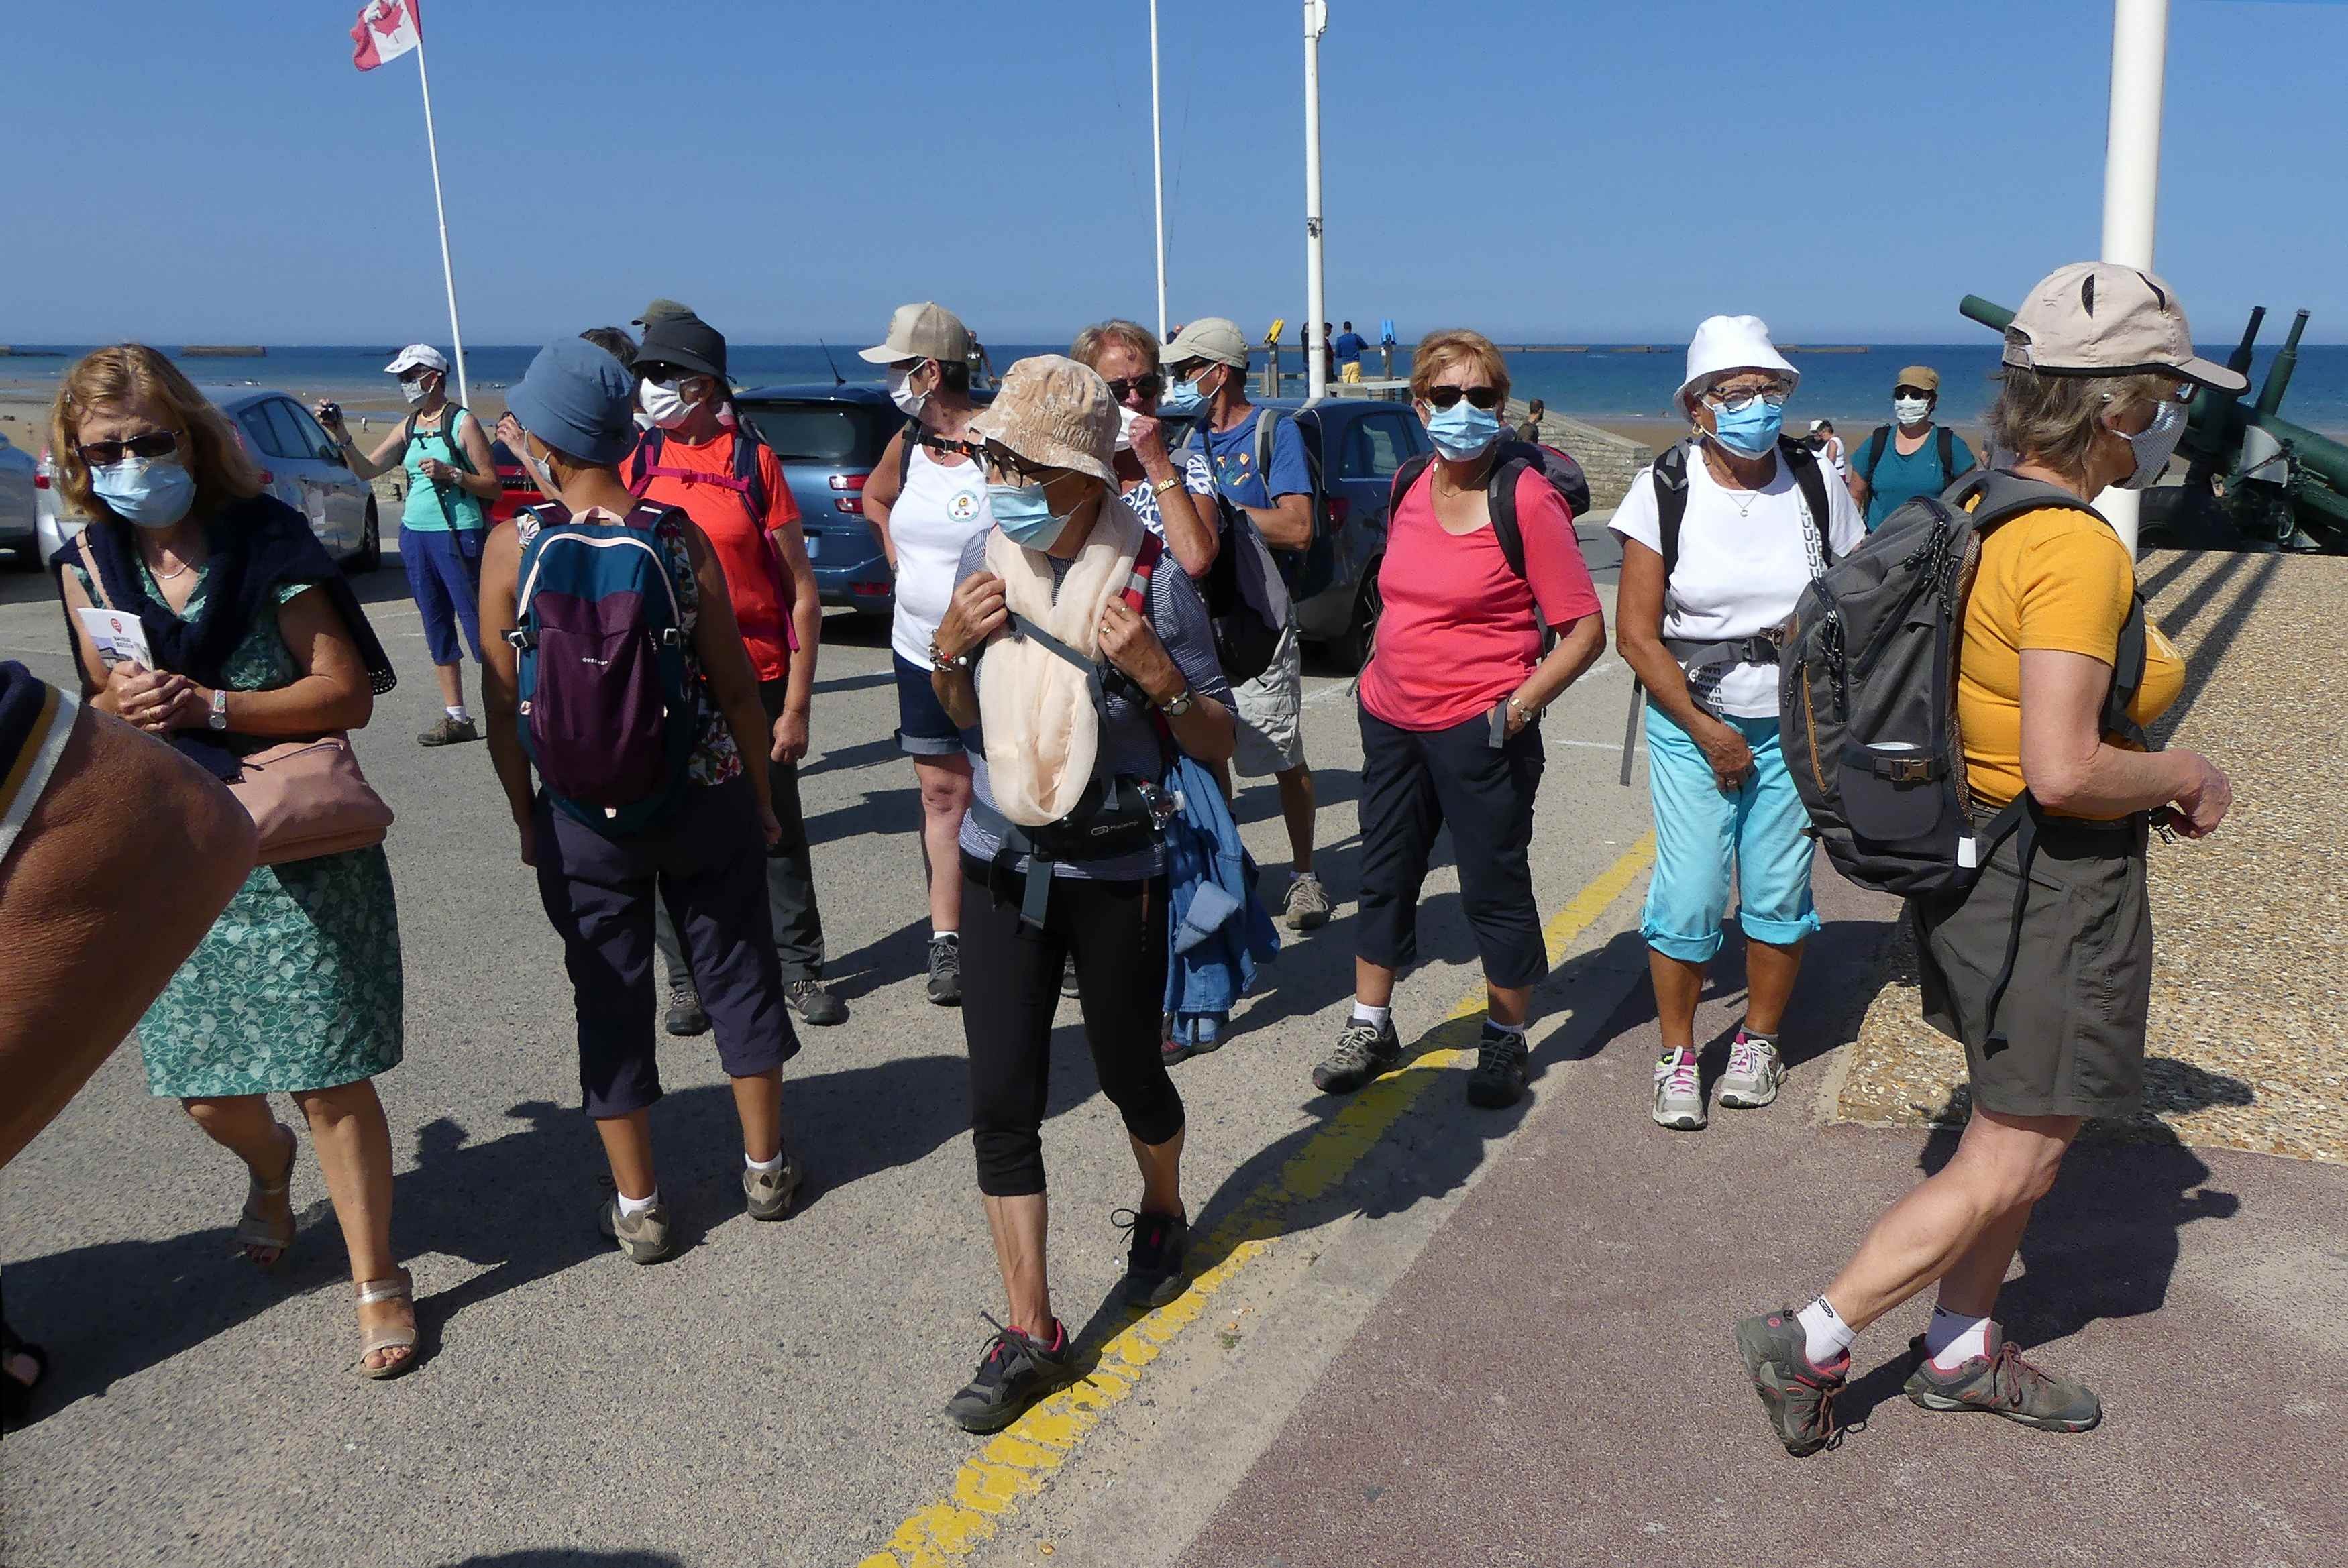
(772, 1393)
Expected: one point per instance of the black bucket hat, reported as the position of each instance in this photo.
(685, 341)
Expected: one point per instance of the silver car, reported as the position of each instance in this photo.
(19, 506)
(299, 464)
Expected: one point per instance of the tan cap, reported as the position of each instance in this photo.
(660, 309)
(1216, 338)
(1050, 410)
(1922, 375)
(926, 331)
(2098, 318)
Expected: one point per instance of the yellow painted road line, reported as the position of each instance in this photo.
(1016, 1461)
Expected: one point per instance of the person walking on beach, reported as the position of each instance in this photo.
(926, 499)
(256, 639)
(624, 818)
(1349, 348)
(1210, 362)
(1720, 536)
(1450, 709)
(442, 522)
(2042, 968)
(1911, 455)
(1070, 656)
(1529, 429)
(731, 485)
(1828, 446)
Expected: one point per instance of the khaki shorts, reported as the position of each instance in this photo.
(2073, 1018)
(1270, 714)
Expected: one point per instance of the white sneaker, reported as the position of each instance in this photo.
(1679, 1093)
(1754, 1071)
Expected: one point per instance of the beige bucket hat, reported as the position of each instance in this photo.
(1052, 411)
(923, 330)
(2098, 318)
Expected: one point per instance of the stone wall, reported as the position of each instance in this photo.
(1610, 461)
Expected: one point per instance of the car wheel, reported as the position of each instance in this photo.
(369, 555)
(1352, 648)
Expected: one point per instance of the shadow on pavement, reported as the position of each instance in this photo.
(570, 1557)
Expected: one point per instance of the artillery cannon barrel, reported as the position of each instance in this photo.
(2286, 360)
(2317, 453)
(1995, 317)
(2239, 360)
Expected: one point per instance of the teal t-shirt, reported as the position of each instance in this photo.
(430, 509)
(1899, 479)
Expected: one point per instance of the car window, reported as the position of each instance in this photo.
(290, 443)
(257, 433)
(314, 437)
(840, 435)
(1380, 445)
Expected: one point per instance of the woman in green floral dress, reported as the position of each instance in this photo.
(254, 638)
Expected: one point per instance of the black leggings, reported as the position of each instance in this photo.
(1011, 987)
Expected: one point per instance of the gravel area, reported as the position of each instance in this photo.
(2251, 924)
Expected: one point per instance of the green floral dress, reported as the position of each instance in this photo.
(298, 984)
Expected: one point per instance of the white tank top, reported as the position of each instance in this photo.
(937, 512)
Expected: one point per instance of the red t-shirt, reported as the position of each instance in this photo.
(753, 575)
(1458, 633)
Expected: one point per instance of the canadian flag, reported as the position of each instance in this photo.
(386, 31)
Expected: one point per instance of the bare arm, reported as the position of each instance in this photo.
(367, 465)
(806, 610)
(880, 492)
(1638, 604)
(482, 482)
(976, 613)
(500, 700)
(1286, 524)
(1564, 664)
(2070, 768)
(1189, 522)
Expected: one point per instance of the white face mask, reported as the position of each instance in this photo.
(2153, 446)
(901, 392)
(666, 403)
(1125, 418)
(413, 390)
(539, 469)
(1911, 410)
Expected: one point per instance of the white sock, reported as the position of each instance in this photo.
(1515, 1031)
(1365, 1013)
(938, 936)
(764, 1167)
(459, 713)
(1828, 1334)
(631, 1208)
(1953, 1339)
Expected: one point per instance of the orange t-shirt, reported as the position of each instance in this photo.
(2057, 579)
(701, 480)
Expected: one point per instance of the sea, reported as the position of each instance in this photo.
(1602, 381)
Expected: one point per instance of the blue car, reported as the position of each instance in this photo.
(828, 439)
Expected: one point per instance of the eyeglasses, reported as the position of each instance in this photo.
(1484, 397)
(105, 453)
(1911, 392)
(1149, 385)
(1008, 463)
(1739, 399)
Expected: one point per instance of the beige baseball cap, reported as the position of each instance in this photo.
(1922, 376)
(925, 331)
(1051, 410)
(2098, 318)
(1216, 338)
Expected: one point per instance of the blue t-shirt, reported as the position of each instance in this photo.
(1232, 454)
(1901, 479)
(1349, 347)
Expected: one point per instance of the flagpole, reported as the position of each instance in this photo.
(448, 273)
(1316, 371)
(1158, 166)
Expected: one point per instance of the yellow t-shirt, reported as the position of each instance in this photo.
(2059, 580)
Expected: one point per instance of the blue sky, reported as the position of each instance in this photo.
(1545, 170)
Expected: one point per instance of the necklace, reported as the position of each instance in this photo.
(161, 576)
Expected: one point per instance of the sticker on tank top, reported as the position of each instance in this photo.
(963, 507)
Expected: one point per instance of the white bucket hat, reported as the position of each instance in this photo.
(1730, 343)
(417, 356)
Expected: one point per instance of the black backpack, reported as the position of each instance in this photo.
(1248, 589)
(1563, 474)
(1944, 440)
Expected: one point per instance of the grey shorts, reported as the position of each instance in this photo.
(2073, 1016)
(1269, 712)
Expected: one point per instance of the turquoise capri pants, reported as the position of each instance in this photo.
(1701, 833)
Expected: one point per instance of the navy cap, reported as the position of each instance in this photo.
(579, 400)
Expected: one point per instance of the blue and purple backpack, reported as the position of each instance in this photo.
(608, 708)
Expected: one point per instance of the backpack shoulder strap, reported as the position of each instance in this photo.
(1812, 481)
(1875, 445)
(907, 439)
(1945, 439)
(1405, 477)
(747, 468)
(1267, 435)
(642, 460)
(1500, 500)
(1671, 503)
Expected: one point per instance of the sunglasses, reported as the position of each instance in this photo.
(660, 370)
(1911, 392)
(1001, 463)
(1484, 397)
(1149, 385)
(105, 453)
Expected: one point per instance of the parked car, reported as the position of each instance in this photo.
(827, 439)
(517, 486)
(19, 503)
(300, 465)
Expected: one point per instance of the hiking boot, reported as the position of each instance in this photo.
(1679, 1093)
(1015, 1371)
(642, 1236)
(1499, 1081)
(449, 731)
(2003, 1384)
(684, 1014)
(945, 971)
(1798, 1396)
(1363, 1050)
(813, 1001)
(1307, 904)
(1068, 977)
(1153, 1265)
(767, 1194)
(1755, 1071)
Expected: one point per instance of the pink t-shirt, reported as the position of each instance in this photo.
(1458, 633)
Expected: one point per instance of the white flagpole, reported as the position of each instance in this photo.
(448, 273)
(1316, 369)
(2132, 172)
(1158, 164)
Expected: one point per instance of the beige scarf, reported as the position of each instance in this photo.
(1043, 733)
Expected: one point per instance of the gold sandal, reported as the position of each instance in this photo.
(253, 1230)
(398, 1286)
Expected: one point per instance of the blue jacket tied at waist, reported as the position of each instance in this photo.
(1218, 928)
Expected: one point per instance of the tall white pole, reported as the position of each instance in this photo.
(2132, 171)
(1157, 168)
(1316, 382)
(448, 273)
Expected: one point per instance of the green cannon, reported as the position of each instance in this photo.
(2253, 480)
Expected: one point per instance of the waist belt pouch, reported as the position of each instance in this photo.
(1110, 821)
(1894, 795)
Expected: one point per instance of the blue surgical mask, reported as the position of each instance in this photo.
(149, 492)
(1182, 398)
(1024, 516)
(1463, 432)
(1750, 431)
